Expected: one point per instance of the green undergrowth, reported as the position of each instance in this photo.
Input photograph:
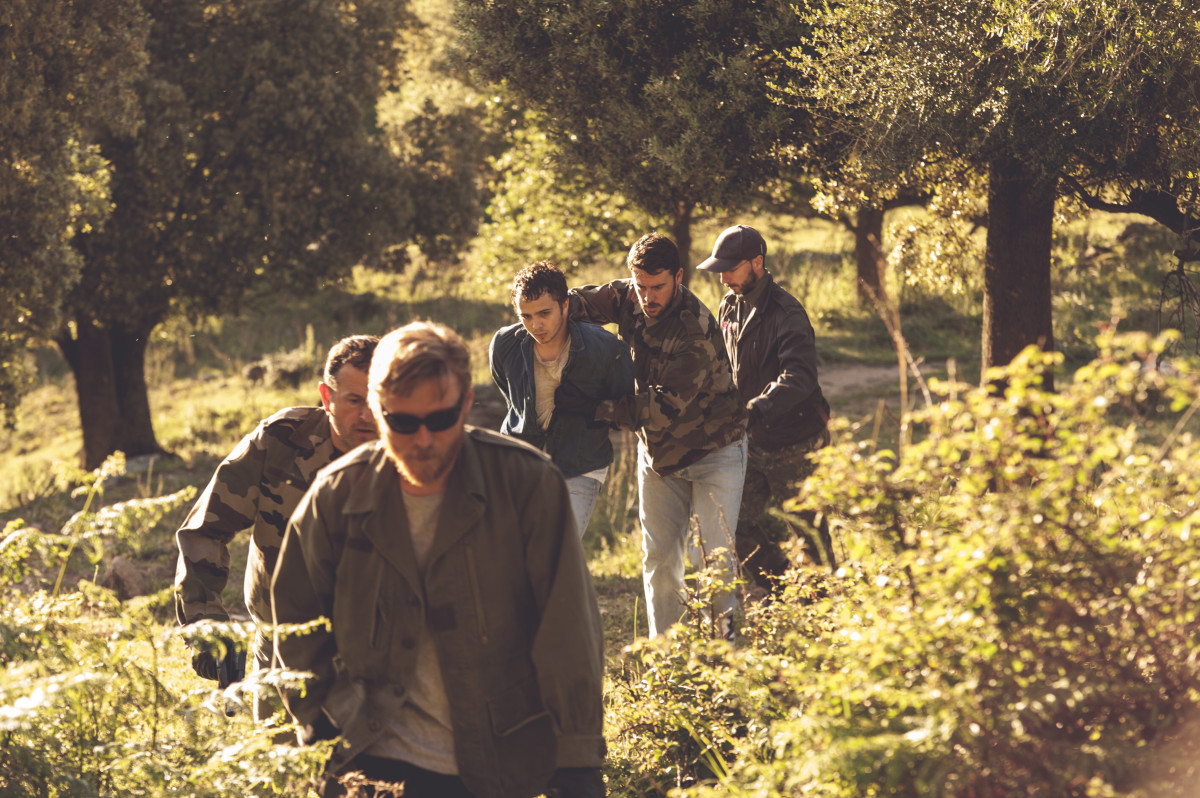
(1014, 613)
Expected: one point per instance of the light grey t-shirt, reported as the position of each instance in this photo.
(421, 732)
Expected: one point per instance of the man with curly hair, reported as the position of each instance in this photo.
(546, 349)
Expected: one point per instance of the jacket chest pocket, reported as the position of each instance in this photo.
(365, 607)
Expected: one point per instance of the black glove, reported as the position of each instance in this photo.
(576, 783)
(755, 417)
(322, 728)
(224, 669)
(569, 399)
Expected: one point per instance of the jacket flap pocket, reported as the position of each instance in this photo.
(515, 707)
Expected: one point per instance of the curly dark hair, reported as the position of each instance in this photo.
(537, 279)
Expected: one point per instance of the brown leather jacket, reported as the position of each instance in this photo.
(773, 351)
(506, 595)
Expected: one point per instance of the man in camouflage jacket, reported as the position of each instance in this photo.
(257, 487)
(690, 423)
(773, 351)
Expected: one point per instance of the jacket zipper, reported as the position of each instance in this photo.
(477, 594)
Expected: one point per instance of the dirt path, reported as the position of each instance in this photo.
(847, 379)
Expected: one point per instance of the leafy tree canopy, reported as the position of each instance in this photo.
(546, 207)
(258, 166)
(1098, 99)
(1102, 93)
(66, 72)
(667, 102)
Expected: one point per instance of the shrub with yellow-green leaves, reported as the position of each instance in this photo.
(1016, 613)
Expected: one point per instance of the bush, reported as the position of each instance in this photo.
(1016, 614)
(96, 697)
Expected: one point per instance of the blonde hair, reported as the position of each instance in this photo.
(418, 351)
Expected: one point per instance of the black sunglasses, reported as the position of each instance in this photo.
(437, 421)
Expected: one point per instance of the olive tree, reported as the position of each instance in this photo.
(1093, 99)
(66, 79)
(667, 103)
(257, 166)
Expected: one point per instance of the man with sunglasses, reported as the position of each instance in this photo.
(530, 359)
(463, 656)
(257, 487)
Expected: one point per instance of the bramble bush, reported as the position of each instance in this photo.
(1015, 613)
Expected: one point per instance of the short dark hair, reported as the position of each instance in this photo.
(537, 279)
(355, 350)
(654, 253)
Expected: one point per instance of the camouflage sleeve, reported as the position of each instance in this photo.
(227, 506)
(599, 304)
(685, 378)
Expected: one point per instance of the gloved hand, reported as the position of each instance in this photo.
(755, 417)
(569, 399)
(209, 663)
(576, 783)
(321, 728)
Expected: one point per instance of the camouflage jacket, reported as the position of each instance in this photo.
(685, 404)
(256, 487)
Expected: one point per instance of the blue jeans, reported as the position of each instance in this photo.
(709, 490)
(583, 491)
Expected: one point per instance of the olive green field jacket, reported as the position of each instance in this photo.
(506, 596)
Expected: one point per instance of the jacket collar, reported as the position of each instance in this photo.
(377, 495)
(752, 303)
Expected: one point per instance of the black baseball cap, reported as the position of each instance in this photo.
(734, 245)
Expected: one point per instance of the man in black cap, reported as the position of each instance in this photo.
(772, 349)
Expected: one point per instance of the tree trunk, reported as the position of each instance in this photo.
(133, 396)
(868, 256)
(681, 230)
(1016, 279)
(110, 386)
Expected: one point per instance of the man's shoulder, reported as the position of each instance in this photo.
(292, 416)
(621, 286)
(593, 336)
(512, 332)
(781, 298)
(490, 438)
(696, 318)
(507, 339)
(296, 426)
(352, 463)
